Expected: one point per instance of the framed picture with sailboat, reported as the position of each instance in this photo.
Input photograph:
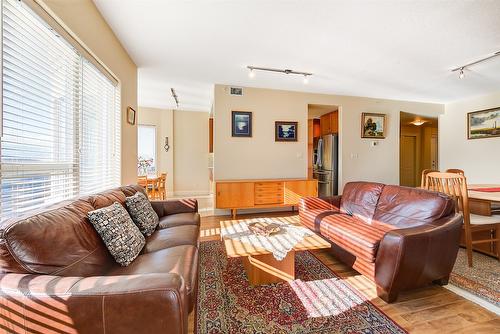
(483, 123)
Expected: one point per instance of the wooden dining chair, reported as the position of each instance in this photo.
(456, 171)
(455, 185)
(162, 186)
(424, 174)
(150, 187)
(142, 181)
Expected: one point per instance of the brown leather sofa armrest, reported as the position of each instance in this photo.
(165, 208)
(320, 203)
(152, 303)
(403, 255)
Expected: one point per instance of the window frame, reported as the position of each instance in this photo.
(114, 134)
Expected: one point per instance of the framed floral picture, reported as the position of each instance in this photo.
(241, 124)
(373, 125)
(285, 131)
(483, 123)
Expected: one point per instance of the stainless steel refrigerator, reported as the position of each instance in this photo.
(326, 165)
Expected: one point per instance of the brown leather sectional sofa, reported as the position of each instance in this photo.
(399, 237)
(57, 276)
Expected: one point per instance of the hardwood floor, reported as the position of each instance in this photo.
(432, 309)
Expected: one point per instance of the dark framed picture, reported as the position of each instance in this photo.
(130, 115)
(483, 123)
(373, 125)
(241, 124)
(285, 131)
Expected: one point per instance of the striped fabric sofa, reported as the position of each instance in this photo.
(401, 238)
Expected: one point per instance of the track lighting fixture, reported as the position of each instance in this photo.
(462, 74)
(461, 69)
(174, 95)
(252, 69)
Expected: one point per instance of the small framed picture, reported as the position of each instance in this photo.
(130, 115)
(241, 124)
(285, 131)
(483, 123)
(373, 125)
(236, 91)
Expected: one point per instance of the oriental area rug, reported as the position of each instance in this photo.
(317, 301)
(482, 279)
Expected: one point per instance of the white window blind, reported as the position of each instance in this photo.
(100, 134)
(61, 117)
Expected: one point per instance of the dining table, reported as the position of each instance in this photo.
(484, 200)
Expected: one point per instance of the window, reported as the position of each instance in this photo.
(60, 116)
(146, 149)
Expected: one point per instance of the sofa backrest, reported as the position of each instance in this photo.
(408, 207)
(359, 199)
(59, 240)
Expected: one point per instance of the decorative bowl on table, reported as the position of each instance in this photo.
(264, 228)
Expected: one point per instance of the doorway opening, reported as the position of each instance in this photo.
(322, 147)
(418, 147)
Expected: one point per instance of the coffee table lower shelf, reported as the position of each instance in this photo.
(265, 269)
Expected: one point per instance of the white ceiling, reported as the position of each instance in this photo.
(385, 49)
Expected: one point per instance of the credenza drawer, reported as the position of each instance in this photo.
(264, 186)
(261, 199)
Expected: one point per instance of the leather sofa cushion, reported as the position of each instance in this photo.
(360, 199)
(312, 218)
(181, 260)
(132, 189)
(354, 235)
(58, 240)
(179, 219)
(405, 207)
(171, 237)
(107, 198)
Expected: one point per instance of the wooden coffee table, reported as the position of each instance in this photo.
(260, 265)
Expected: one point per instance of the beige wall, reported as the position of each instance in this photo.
(84, 21)
(186, 163)
(262, 157)
(479, 158)
(191, 152)
(163, 120)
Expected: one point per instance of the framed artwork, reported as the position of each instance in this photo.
(373, 125)
(241, 124)
(236, 91)
(130, 115)
(285, 131)
(483, 123)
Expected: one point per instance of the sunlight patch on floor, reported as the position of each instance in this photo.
(323, 298)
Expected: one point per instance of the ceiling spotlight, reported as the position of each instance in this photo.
(462, 74)
(251, 74)
(306, 80)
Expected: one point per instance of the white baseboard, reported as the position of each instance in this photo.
(473, 298)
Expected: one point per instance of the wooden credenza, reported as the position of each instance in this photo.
(253, 194)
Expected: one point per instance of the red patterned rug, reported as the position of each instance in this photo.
(318, 301)
(482, 279)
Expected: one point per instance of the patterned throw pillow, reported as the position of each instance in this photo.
(119, 233)
(142, 213)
